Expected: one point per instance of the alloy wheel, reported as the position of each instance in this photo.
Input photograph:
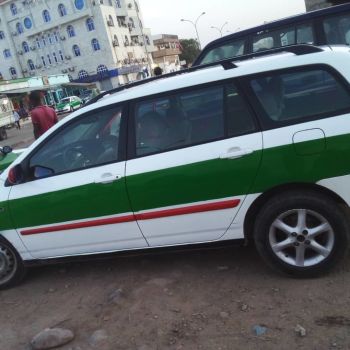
(301, 237)
(8, 264)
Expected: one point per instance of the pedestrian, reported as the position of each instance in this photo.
(43, 117)
(158, 71)
(23, 112)
(16, 118)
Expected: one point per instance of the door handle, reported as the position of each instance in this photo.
(107, 178)
(236, 152)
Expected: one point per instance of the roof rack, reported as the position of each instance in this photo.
(301, 49)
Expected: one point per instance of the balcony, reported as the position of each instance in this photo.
(166, 52)
(122, 11)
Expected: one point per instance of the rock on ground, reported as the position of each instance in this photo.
(51, 338)
(98, 338)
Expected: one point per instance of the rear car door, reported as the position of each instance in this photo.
(74, 200)
(193, 156)
(305, 116)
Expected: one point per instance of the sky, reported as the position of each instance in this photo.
(164, 16)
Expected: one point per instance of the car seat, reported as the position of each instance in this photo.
(110, 152)
(272, 98)
(151, 133)
(179, 127)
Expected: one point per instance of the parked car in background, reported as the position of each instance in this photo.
(329, 26)
(69, 104)
(6, 116)
(254, 150)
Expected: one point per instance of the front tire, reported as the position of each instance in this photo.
(12, 269)
(303, 234)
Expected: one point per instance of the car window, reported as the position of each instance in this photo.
(296, 96)
(305, 34)
(301, 34)
(89, 141)
(190, 118)
(239, 117)
(337, 30)
(228, 50)
(264, 42)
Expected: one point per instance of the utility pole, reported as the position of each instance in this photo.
(143, 38)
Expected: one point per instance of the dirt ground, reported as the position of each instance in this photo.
(208, 299)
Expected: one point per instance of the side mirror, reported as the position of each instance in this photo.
(15, 175)
(6, 150)
(40, 172)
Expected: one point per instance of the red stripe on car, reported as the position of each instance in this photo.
(199, 208)
(92, 223)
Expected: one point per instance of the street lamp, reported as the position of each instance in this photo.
(219, 29)
(195, 27)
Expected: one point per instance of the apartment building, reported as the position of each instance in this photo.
(102, 41)
(167, 51)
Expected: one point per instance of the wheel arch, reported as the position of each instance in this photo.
(255, 207)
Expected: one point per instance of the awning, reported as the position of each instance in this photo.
(29, 89)
(79, 85)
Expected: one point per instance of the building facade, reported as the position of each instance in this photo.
(100, 41)
(167, 51)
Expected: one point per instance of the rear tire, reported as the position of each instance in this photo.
(303, 234)
(12, 270)
(3, 134)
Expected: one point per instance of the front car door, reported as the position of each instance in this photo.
(75, 199)
(194, 155)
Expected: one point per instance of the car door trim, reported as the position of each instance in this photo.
(144, 215)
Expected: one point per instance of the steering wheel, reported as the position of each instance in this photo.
(76, 156)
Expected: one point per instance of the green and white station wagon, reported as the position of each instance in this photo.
(249, 149)
(68, 104)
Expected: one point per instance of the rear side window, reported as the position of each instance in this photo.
(337, 30)
(299, 96)
(228, 50)
(302, 34)
(191, 118)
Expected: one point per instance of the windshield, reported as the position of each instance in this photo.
(65, 100)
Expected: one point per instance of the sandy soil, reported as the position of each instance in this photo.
(193, 300)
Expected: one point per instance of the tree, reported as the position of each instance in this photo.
(190, 50)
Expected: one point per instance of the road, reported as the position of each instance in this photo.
(22, 138)
(208, 300)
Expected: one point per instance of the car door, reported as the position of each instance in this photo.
(304, 112)
(194, 155)
(74, 199)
